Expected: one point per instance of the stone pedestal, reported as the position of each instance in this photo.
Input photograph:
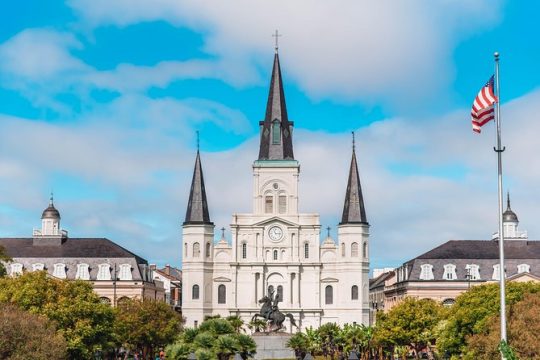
(272, 346)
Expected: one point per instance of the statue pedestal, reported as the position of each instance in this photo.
(272, 346)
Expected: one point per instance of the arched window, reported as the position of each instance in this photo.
(60, 271)
(196, 249)
(16, 269)
(221, 294)
(354, 292)
(244, 251)
(328, 295)
(275, 254)
(207, 249)
(122, 300)
(105, 300)
(268, 204)
(104, 272)
(270, 289)
(354, 249)
(124, 272)
(306, 250)
(280, 292)
(365, 250)
(195, 292)
(82, 272)
(38, 267)
(474, 271)
(449, 272)
(448, 302)
(343, 249)
(426, 272)
(282, 204)
(276, 133)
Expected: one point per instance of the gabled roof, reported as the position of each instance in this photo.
(276, 112)
(70, 248)
(197, 209)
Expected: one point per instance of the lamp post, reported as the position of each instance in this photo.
(468, 277)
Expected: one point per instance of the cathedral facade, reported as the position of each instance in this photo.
(276, 249)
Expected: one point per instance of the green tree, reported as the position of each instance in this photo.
(331, 341)
(257, 325)
(299, 343)
(80, 317)
(215, 338)
(4, 258)
(146, 325)
(523, 330)
(236, 322)
(24, 335)
(411, 323)
(472, 313)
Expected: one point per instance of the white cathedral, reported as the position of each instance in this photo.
(275, 248)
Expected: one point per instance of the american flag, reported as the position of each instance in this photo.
(483, 106)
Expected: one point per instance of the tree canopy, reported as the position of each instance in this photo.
(84, 322)
(146, 325)
(28, 336)
(472, 313)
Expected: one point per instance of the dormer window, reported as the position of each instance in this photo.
(449, 272)
(83, 272)
(104, 272)
(524, 268)
(426, 272)
(276, 133)
(496, 272)
(16, 269)
(125, 272)
(59, 271)
(38, 267)
(473, 271)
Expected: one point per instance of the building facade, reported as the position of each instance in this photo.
(453, 267)
(275, 248)
(171, 278)
(114, 272)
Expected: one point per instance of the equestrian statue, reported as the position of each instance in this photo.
(270, 312)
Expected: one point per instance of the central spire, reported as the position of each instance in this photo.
(276, 129)
(197, 210)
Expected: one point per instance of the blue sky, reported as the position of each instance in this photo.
(101, 100)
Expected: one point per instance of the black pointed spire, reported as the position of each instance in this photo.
(197, 210)
(276, 129)
(353, 209)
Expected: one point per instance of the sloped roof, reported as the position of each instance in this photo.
(484, 249)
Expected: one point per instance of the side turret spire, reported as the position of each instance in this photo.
(353, 209)
(197, 210)
(276, 129)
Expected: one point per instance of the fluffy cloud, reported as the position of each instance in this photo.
(347, 50)
(141, 189)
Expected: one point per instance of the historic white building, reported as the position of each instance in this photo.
(275, 247)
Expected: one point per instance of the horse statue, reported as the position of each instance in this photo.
(270, 312)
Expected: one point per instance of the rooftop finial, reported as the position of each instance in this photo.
(198, 141)
(328, 231)
(223, 233)
(353, 141)
(508, 199)
(276, 35)
(51, 199)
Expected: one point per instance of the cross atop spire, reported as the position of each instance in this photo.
(276, 35)
(51, 199)
(328, 231)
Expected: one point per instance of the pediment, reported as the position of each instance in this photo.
(524, 277)
(222, 279)
(275, 219)
(329, 280)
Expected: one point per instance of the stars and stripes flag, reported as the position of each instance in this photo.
(483, 108)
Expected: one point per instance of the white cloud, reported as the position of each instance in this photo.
(346, 50)
(141, 188)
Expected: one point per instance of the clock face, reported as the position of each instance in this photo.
(275, 233)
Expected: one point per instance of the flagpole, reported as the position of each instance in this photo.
(499, 150)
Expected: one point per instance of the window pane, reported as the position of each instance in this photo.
(195, 292)
(276, 133)
(282, 204)
(354, 249)
(354, 292)
(329, 295)
(222, 294)
(268, 205)
(244, 250)
(306, 250)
